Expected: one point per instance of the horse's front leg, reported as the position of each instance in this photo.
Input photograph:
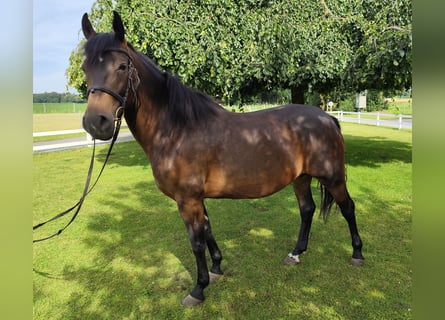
(192, 212)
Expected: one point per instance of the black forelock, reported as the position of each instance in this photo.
(98, 44)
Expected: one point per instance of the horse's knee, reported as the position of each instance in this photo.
(307, 210)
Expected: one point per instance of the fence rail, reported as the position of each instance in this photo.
(400, 121)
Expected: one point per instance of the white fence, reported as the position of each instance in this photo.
(68, 143)
(65, 132)
(400, 121)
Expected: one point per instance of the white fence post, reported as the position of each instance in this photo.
(89, 138)
(378, 118)
(400, 121)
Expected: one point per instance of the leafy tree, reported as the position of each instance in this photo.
(47, 97)
(380, 35)
(238, 48)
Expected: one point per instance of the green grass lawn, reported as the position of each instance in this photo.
(127, 256)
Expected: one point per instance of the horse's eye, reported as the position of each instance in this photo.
(122, 67)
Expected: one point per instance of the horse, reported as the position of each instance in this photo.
(198, 149)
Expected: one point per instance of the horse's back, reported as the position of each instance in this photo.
(312, 116)
(298, 124)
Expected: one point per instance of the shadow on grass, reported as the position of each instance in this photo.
(144, 264)
(124, 154)
(375, 151)
(147, 267)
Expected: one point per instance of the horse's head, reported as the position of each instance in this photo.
(110, 74)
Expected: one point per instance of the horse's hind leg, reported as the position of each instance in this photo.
(347, 207)
(302, 189)
(215, 271)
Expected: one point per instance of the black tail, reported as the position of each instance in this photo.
(326, 202)
(327, 199)
(336, 122)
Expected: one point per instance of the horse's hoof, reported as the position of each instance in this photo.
(214, 276)
(291, 259)
(357, 262)
(190, 301)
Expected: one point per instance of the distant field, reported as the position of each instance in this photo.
(67, 107)
(56, 121)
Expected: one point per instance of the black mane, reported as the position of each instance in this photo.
(185, 107)
(188, 107)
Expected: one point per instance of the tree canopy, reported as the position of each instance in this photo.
(235, 48)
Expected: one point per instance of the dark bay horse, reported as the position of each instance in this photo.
(199, 150)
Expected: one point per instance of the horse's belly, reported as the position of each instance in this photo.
(222, 184)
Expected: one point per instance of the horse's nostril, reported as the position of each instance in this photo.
(99, 126)
(102, 124)
(103, 121)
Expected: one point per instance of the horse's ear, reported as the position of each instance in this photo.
(118, 27)
(87, 28)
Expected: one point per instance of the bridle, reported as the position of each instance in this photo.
(132, 71)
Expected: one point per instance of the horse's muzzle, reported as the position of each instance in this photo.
(99, 126)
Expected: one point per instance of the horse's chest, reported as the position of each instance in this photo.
(177, 175)
(164, 174)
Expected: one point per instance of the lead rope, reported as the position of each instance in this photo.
(118, 118)
(86, 189)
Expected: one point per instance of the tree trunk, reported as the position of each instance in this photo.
(323, 102)
(297, 94)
